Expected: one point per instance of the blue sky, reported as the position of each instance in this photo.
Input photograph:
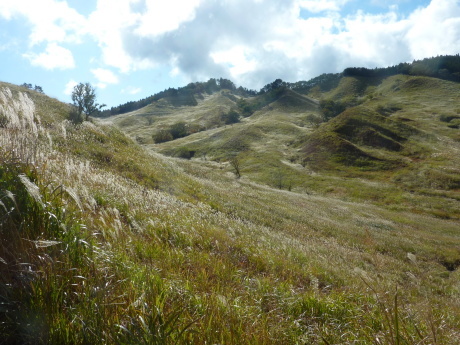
(131, 49)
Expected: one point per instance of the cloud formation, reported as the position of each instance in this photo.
(316, 6)
(50, 20)
(255, 42)
(69, 87)
(104, 77)
(251, 42)
(131, 90)
(54, 57)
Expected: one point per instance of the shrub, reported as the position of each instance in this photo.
(313, 120)
(184, 152)
(195, 128)
(448, 118)
(231, 117)
(330, 109)
(235, 162)
(178, 130)
(75, 116)
(388, 109)
(162, 136)
(245, 108)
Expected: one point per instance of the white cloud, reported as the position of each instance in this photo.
(250, 41)
(316, 6)
(106, 25)
(51, 20)
(109, 25)
(435, 29)
(69, 87)
(197, 46)
(131, 90)
(256, 42)
(54, 57)
(105, 76)
(160, 17)
(237, 59)
(373, 40)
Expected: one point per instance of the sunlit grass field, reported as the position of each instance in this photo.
(104, 241)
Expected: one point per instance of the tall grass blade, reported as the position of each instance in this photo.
(32, 189)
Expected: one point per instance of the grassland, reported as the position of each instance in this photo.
(391, 147)
(105, 241)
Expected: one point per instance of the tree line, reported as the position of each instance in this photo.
(29, 86)
(444, 67)
(182, 96)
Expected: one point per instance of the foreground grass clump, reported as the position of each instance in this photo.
(58, 283)
(42, 251)
(93, 253)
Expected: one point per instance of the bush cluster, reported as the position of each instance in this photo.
(175, 131)
(231, 117)
(330, 109)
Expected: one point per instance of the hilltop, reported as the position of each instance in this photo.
(399, 130)
(135, 228)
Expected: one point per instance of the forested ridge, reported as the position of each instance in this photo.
(444, 67)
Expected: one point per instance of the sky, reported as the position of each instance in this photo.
(131, 49)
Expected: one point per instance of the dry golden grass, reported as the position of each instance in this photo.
(202, 257)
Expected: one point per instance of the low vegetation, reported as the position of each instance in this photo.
(104, 241)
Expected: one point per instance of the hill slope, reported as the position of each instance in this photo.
(406, 124)
(105, 241)
(395, 130)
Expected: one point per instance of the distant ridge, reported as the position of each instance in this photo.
(445, 67)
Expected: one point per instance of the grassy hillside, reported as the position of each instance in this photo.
(405, 125)
(399, 132)
(267, 142)
(105, 241)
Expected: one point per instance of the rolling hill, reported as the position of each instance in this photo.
(338, 231)
(395, 130)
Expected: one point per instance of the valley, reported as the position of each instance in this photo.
(323, 215)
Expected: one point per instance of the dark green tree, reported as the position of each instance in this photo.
(231, 117)
(226, 84)
(35, 88)
(235, 162)
(38, 88)
(330, 109)
(84, 99)
(162, 136)
(245, 107)
(75, 116)
(178, 130)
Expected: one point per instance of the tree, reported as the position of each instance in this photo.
(38, 88)
(279, 178)
(231, 117)
(178, 130)
(75, 116)
(236, 165)
(245, 107)
(330, 109)
(162, 136)
(84, 99)
(184, 153)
